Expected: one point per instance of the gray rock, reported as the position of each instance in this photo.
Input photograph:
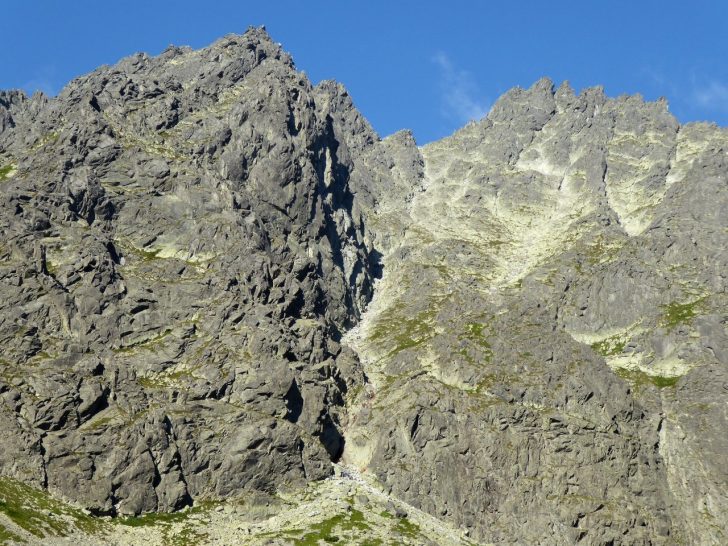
(188, 307)
(179, 257)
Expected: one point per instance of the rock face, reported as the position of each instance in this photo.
(547, 347)
(179, 259)
(188, 306)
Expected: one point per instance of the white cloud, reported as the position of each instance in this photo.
(713, 96)
(460, 95)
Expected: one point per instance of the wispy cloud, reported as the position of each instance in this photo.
(712, 96)
(460, 95)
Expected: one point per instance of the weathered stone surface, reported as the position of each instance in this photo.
(540, 344)
(179, 257)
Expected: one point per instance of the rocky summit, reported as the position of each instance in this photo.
(230, 313)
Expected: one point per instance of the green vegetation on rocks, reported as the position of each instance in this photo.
(177, 529)
(39, 514)
(5, 170)
(339, 529)
(8, 537)
(407, 529)
(610, 346)
(397, 332)
(680, 313)
(641, 379)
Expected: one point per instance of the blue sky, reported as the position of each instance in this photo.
(426, 65)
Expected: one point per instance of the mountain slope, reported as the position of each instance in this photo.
(541, 347)
(178, 261)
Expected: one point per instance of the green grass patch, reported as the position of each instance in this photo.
(330, 530)
(5, 171)
(101, 422)
(141, 254)
(640, 379)
(187, 536)
(600, 251)
(8, 537)
(475, 332)
(407, 529)
(175, 527)
(442, 270)
(661, 382)
(679, 313)
(38, 513)
(148, 255)
(474, 346)
(610, 346)
(151, 383)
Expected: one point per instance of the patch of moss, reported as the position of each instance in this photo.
(5, 171)
(151, 383)
(101, 422)
(477, 348)
(661, 382)
(388, 381)
(42, 355)
(640, 379)
(143, 255)
(443, 270)
(610, 346)
(475, 332)
(188, 535)
(149, 255)
(407, 529)
(486, 382)
(680, 313)
(8, 537)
